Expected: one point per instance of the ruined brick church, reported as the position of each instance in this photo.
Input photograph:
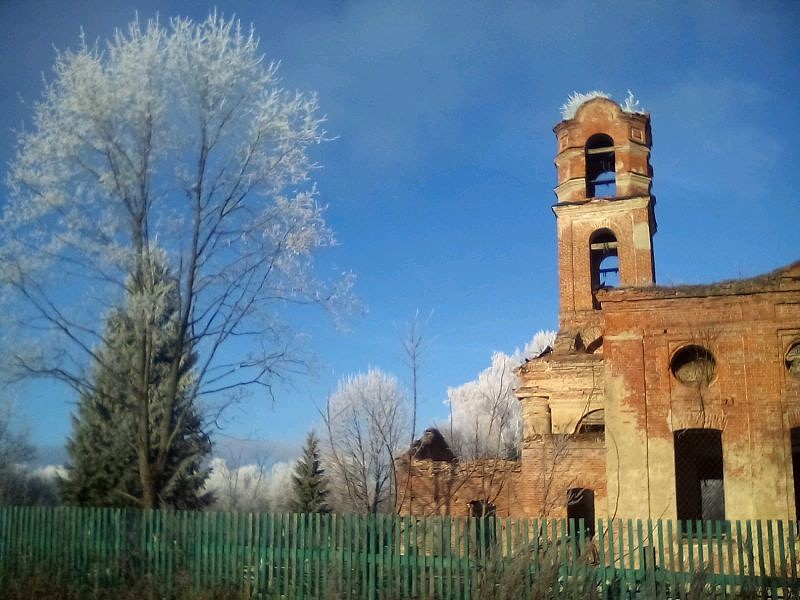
(655, 402)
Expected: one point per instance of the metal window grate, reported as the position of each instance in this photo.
(699, 476)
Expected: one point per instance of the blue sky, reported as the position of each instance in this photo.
(439, 183)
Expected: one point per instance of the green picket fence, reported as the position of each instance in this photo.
(377, 556)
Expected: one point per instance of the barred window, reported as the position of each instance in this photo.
(699, 475)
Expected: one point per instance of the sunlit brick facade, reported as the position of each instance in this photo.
(655, 402)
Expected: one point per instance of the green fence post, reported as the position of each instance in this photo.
(759, 550)
(784, 571)
(772, 570)
(794, 579)
(740, 570)
(723, 579)
(751, 546)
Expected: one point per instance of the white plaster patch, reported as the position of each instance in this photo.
(641, 236)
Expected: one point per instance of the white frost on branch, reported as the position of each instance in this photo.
(631, 105)
(486, 417)
(367, 421)
(172, 144)
(254, 487)
(178, 136)
(578, 99)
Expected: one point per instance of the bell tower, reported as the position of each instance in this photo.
(605, 211)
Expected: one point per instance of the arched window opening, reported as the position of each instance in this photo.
(699, 476)
(793, 360)
(601, 179)
(795, 437)
(604, 260)
(580, 505)
(480, 509)
(693, 365)
(595, 347)
(592, 424)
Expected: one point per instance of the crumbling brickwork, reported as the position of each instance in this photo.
(656, 402)
(751, 398)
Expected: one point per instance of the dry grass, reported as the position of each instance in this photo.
(49, 586)
(513, 579)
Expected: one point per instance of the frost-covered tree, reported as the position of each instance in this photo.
(486, 418)
(253, 487)
(367, 421)
(179, 135)
(118, 420)
(309, 482)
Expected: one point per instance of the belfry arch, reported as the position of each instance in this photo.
(603, 259)
(601, 177)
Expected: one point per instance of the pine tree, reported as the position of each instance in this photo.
(310, 485)
(104, 467)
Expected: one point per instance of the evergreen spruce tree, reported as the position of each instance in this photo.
(310, 486)
(103, 448)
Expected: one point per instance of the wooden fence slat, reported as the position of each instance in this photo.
(326, 545)
(699, 543)
(286, 554)
(640, 566)
(626, 554)
(611, 571)
(622, 569)
(164, 520)
(689, 540)
(792, 574)
(602, 566)
(661, 561)
(407, 526)
(759, 551)
(783, 568)
(672, 578)
(347, 547)
(206, 549)
(295, 555)
(721, 559)
(39, 537)
(730, 578)
(272, 558)
(317, 544)
(229, 549)
(373, 555)
(359, 541)
(740, 555)
(397, 537)
(450, 555)
(750, 556)
(772, 572)
(22, 537)
(4, 550)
